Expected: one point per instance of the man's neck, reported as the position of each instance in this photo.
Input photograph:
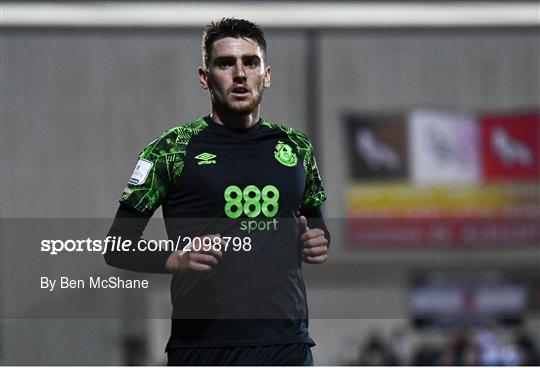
(236, 121)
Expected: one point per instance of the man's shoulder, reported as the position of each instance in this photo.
(174, 140)
(299, 138)
(181, 133)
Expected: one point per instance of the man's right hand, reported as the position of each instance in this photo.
(200, 260)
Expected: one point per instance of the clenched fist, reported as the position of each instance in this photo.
(314, 243)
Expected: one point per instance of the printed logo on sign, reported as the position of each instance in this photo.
(285, 155)
(206, 158)
(376, 154)
(511, 147)
(142, 169)
(511, 151)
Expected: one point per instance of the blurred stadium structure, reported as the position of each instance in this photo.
(379, 87)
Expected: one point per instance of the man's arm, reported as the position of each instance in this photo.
(130, 224)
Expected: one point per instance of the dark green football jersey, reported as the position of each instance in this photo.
(243, 184)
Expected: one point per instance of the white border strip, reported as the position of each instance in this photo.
(274, 14)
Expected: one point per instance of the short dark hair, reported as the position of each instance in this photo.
(230, 27)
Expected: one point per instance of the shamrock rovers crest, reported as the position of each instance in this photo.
(285, 155)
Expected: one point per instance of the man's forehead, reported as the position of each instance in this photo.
(230, 46)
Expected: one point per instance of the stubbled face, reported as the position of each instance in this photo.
(236, 75)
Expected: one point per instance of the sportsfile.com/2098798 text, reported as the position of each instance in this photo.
(118, 244)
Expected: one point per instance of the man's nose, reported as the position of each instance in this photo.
(239, 71)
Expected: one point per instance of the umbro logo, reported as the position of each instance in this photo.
(206, 158)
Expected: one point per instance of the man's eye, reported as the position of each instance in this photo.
(251, 63)
(225, 64)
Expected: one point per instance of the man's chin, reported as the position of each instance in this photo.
(242, 109)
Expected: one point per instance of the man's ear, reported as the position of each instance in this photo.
(203, 77)
(267, 74)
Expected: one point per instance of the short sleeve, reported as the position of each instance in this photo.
(153, 175)
(158, 167)
(314, 194)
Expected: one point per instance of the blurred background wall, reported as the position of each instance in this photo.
(78, 103)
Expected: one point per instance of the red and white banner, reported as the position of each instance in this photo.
(472, 182)
(444, 232)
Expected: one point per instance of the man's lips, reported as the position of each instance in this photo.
(239, 91)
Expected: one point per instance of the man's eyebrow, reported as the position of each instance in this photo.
(224, 57)
(228, 57)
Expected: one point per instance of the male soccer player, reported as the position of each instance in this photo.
(250, 190)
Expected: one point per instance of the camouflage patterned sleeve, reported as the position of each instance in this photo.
(160, 163)
(314, 194)
(152, 176)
